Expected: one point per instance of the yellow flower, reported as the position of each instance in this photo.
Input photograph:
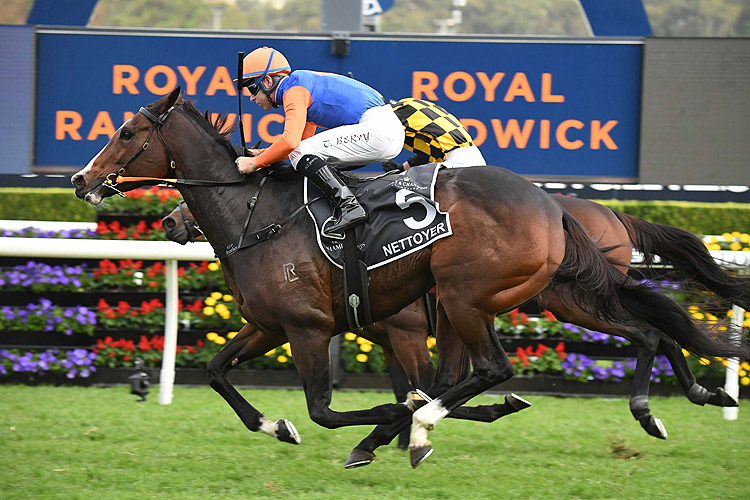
(698, 316)
(730, 313)
(713, 239)
(213, 266)
(693, 309)
(227, 298)
(745, 365)
(745, 238)
(271, 352)
(225, 315)
(714, 246)
(743, 373)
(735, 246)
(287, 348)
(745, 381)
(365, 347)
(362, 358)
(735, 234)
(222, 309)
(243, 320)
(726, 236)
(704, 361)
(685, 353)
(232, 335)
(282, 359)
(431, 342)
(350, 336)
(361, 340)
(208, 311)
(210, 301)
(220, 340)
(212, 336)
(216, 295)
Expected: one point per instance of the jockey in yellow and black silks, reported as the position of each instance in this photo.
(434, 135)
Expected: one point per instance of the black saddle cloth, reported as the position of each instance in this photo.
(403, 216)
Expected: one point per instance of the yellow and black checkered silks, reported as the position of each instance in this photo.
(430, 129)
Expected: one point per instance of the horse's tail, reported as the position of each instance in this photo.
(587, 278)
(687, 254)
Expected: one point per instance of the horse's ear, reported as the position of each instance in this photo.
(175, 98)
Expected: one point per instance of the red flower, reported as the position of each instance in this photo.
(540, 349)
(524, 318)
(549, 315)
(522, 356)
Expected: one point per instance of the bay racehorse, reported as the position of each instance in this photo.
(409, 362)
(510, 241)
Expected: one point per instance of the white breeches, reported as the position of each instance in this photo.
(468, 156)
(378, 136)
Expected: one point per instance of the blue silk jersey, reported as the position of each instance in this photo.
(335, 100)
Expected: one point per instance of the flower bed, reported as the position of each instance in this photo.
(118, 306)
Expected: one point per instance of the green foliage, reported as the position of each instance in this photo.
(699, 218)
(51, 204)
(514, 17)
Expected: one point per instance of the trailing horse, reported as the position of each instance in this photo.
(510, 241)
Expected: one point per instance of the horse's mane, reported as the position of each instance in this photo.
(217, 128)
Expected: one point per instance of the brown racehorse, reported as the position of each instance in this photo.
(616, 230)
(510, 241)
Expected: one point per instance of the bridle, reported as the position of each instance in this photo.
(189, 225)
(157, 122)
(264, 234)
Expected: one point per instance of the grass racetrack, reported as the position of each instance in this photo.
(97, 443)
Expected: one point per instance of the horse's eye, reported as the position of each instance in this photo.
(126, 134)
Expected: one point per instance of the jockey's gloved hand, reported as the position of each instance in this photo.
(390, 166)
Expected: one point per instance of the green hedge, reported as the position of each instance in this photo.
(55, 204)
(699, 218)
(60, 204)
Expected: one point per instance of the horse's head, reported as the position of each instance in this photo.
(179, 225)
(140, 137)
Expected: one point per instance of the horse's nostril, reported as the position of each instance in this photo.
(79, 181)
(168, 224)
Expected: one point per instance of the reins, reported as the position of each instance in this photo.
(259, 236)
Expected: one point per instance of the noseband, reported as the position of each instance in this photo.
(156, 124)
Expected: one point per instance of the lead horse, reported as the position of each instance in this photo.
(510, 242)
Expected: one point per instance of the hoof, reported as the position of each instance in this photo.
(516, 402)
(721, 398)
(286, 432)
(654, 427)
(419, 455)
(359, 458)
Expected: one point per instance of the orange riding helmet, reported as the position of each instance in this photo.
(261, 62)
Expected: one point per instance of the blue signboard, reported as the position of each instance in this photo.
(538, 107)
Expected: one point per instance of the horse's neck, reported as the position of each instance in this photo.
(221, 212)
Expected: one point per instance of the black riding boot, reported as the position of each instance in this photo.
(340, 196)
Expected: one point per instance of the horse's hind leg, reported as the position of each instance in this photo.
(695, 392)
(247, 344)
(491, 366)
(639, 406)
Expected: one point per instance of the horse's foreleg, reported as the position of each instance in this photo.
(247, 344)
(695, 392)
(313, 362)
